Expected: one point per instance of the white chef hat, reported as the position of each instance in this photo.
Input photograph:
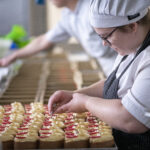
(113, 13)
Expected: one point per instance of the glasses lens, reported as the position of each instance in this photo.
(106, 38)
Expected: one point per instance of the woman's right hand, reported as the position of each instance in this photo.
(58, 99)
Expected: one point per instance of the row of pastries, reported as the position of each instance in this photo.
(32, 127)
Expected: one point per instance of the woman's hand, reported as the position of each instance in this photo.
(76, 104)
(58, 99)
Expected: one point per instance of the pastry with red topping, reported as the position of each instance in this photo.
(6, 141)
(101, 140)
(1, 113)
(51, 138)
(11, 120)
(76, 138)
(101, 136)
(25, 140)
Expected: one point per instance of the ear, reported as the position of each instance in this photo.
(133, 27)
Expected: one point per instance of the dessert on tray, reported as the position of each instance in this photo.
(31, 127)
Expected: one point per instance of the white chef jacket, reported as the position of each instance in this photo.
(76, 24)
(134, 85)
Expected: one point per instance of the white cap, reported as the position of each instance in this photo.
(113, 13)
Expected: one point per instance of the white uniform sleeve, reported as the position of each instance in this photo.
(57, 34)
(137, 99)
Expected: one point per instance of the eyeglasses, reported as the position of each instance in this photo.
(106, 38)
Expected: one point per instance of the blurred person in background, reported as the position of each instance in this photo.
(74, 22)
(123, 99)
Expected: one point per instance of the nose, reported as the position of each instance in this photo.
(105, 43)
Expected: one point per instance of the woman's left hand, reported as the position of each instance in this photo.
(77, 104)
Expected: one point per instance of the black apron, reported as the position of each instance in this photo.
(126, 141)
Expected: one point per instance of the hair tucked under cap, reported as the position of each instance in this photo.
(113, 13)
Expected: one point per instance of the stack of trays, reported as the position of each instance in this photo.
(88, 73)
(85, 65)
(89, 77)
(31, 127)
(24, 86)
(56, 56)
(60, 78)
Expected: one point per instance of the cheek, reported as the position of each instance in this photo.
(122, 46)
(118, 45)
(116, 42)
(120, 41)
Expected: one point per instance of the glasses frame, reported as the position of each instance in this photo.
(107, 36)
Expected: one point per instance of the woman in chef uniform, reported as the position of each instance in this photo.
(124, 98)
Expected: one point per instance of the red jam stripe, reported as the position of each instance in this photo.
(66, 123)
(47, 121)
(25, 123)
(68, 118)
(23, 128)
(47, 125)
(92, 130)
(27, 119)
(93, 125)
(2, 129)
(7, 110)
(69, 129)
(69, 133)
(92, 120)
(44, 129)
(46, 133)
(7, 106)
(6, 122)
(7, 113)
(91, 133)
(21, 133)
(6, 117)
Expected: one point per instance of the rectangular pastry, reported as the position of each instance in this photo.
(7, 142)
(25, 141)
(76, 139)
(51, 139)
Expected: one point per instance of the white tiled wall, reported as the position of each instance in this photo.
(13, 12)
